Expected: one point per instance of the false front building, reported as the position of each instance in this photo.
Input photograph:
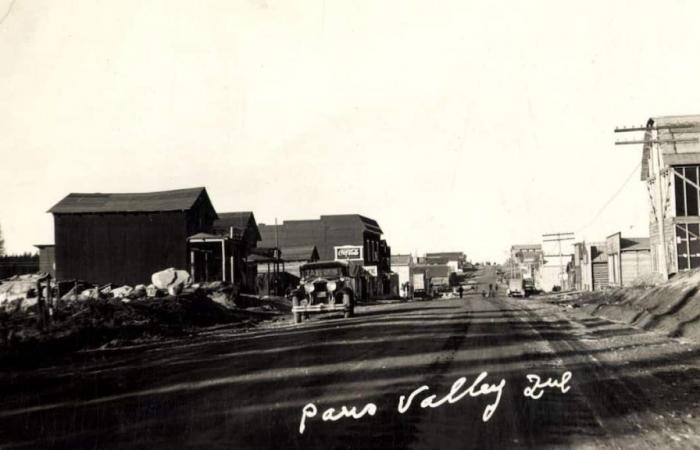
(671, 170)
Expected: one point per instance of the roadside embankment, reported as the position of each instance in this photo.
(672, 307)
(88, 323)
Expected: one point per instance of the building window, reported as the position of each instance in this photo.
(686, 190)
(688, 245)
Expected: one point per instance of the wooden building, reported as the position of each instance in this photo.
(241, 230)
(671, 156)
(628, 259)
(279, 269)
(47, 259)
(346, 237)
(124, 238)
(592, 261)
(455, 260)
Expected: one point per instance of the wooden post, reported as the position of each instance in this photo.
(41, 306)
(192, 266)
(49, 297)
(206, 266)
(660, 220)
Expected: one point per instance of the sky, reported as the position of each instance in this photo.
(465, 125)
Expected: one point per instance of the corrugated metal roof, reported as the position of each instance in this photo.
(175, 200)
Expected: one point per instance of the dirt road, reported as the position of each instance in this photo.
(627, 388)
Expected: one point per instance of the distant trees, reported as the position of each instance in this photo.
(18, 264)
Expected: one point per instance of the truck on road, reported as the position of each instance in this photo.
(420, 285)
(516, 288)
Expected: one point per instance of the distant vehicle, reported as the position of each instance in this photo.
(325, 286)
(472, 285)
(420, 285)
(529, 285)
(516, 288)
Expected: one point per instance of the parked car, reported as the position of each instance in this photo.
(325, 286)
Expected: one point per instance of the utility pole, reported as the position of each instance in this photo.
(652, 139)
(276, 256)
(559, 237)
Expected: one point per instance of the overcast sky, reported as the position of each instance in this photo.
(466, 125)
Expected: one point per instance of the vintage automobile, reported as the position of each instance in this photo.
(325, 286)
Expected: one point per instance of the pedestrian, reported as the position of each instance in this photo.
(461, 291)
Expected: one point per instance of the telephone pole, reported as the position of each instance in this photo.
(652, 139)
(559, 237)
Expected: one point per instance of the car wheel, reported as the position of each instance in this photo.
(297, 317)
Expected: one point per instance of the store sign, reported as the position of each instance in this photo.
(348, 253)
(372, 270)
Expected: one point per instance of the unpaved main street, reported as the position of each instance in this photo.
(627, 388)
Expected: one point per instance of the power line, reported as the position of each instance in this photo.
(7, 12)
(611, 199)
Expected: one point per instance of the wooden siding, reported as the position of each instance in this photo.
(634, 264)
(325, 234)
(654, 239)
(119, 248)
(600, 276)
(126, 248)
(47, 260)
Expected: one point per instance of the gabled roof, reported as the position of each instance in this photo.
(300, 253)
(176, 200)
(239, 220)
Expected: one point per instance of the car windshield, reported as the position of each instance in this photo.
(325, 272)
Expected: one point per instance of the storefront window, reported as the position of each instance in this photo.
(688, 245)
(686, 190)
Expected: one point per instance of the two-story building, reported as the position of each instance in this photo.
(347, 237)
(671, 171)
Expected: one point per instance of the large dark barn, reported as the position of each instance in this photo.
(124, 238)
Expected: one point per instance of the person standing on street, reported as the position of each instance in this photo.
(461, 291)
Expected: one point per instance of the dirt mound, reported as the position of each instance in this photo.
(92, 322)
(672, 307)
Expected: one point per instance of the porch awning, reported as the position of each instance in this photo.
(203, 237)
